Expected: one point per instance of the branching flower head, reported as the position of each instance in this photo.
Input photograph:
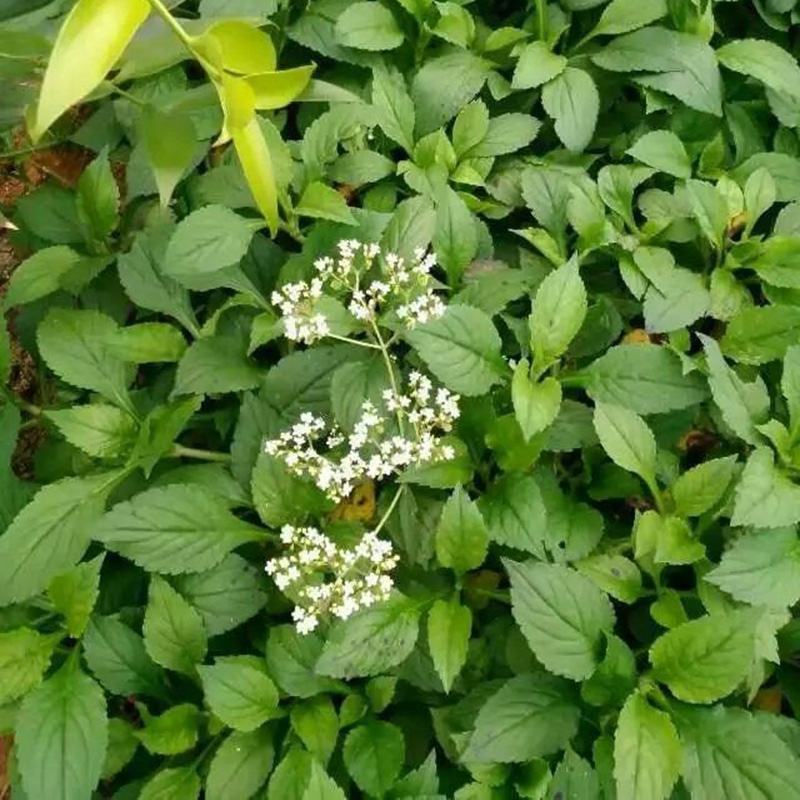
(327, 579)
(369, 281)
(376, 448)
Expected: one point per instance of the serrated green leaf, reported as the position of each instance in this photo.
(562, 614)
(706, 659)
(532, 715)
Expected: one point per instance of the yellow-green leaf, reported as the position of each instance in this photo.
(241, 123)
(171, 143)
(278, 89)
(237, 46)
(91, 40)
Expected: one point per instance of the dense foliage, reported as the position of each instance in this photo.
(415, 393)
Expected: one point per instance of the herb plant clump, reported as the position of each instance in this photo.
(400, 399)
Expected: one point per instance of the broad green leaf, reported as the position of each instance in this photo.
(461, 537)
(760, 194)
(170, 141)
(562, 614)
(72, 344)
(61, 736)
(743, 405)
(537, 65)
(172, 732)
(615, 575)
(731, 753)
(765, 61)
(97, 199)
(5, 354)
(462, 349)
(91, 39)
(238, 46)
(368, 26)
(647, 752)
(145, 282)
(572, 529)
(627, 439)
(470, 127)
(507, 133)
(74, 593)
(790, 383)
(374, 754)
(677, 64)
(173, 783)
(536, 405)
(321, 786)
(762, 569)
(761, 334)
(573, 102)
(174, 636)
(226, 595)
(215, 365)
(622, 16)
(122, 745)
(515, 514)
(449, 629)
(702, 487)
(276, 89)
(765, 495)
(455, 239)
(676, 297)
(239, 691)
(147, 343)
(99, 430)
(644, 378)
(371, 642)
(40, 275)
(117, 657)
(706, 659)
(533, 715)
(710, 209)
(574, 777)
(50, 534)
(559, 310)
(207, 241)
(241, 765)
(280, 497)
(316, 722)
(291, 658)
(178, 528)
(444, 85)
(663, 151)
(24, 658)
(395, 108)
(323, 202)
(258, 165)
(547, 192)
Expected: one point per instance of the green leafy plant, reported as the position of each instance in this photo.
(420, 419)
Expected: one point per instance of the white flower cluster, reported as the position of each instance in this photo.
(328, 579)
(375, 449)
(301, 320)
(373, 282)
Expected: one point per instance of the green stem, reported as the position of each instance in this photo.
(127, 95)
(541, 18)
(164, 13)
(658, 498)
(387, 360)
(22, 405)
(34, 148)
(352, 341)
(388, 513)
(179, 451)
